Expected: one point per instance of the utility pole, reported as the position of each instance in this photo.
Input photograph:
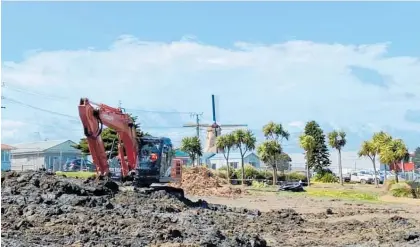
(197, 127)
(197, 122)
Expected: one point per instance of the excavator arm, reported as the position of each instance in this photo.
(94, 116)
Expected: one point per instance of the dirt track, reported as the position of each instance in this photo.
(44, 210)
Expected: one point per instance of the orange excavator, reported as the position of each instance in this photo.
(147, 161)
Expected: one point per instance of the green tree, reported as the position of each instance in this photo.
(283, 162)
(274, 133)
(226, 143)
(370, 149)
(337, 140)
(110, 140)
(192, 146)
(392, 152)
(319, 159)
(308, 144)
(244, 141)
(268, 151)
(416, 158)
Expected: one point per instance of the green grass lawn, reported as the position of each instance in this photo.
(346, 193)
(343, 194)
(76, 174)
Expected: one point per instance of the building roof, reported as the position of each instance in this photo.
(207, 155)
(33, 147)
(179, 153)
(6, 147)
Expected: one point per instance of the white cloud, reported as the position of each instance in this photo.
(10, 129)
(256, 82)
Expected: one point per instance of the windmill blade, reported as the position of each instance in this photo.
(215, 105)
(234, 125)
(189, 125)
(205, 125)
(195, 125)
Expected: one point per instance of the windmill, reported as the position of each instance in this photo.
(213, 130)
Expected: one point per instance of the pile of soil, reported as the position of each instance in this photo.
(39, 209)
(200, 181)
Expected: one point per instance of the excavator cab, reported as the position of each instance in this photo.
(156, 162)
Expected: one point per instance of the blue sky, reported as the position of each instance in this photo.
(264, 60)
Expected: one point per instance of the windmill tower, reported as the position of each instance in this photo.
(213, 130)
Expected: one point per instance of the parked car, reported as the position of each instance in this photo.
(79, 165)
(347, 177)
(362, 177)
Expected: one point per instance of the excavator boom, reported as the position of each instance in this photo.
(93, 119)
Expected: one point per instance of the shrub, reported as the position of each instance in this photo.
(265, 175)
(326, 178)
(257, 184)
(401, 190)
(415, 189)
(295, 176)
(388, 184)
(221, 174)
(250, 172)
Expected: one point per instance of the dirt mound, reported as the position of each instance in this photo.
(39, 209)
(200, 181)
(44, 210)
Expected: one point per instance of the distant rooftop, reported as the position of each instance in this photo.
(179, 153)
(234, 155)
(36, 146)
(6, 147)
(207, 155)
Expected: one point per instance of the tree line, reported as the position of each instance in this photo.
(313, 141)
(315, 144)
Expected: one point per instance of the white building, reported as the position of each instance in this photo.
(44, 154)
(218, 160)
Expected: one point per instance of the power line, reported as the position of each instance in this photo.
(75, 118)
(37, 108)
(161, 112)
(16, 89)
(62, 98)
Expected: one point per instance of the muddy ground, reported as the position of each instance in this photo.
(45, 210)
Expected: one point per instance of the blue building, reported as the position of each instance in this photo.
(5, 157)
(218, 160)
(44, 154)
(205, 159)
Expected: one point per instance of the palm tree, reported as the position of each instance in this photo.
(337, 140)
(225, 143)
(276, 133)
(244, 141)
(192, 146)
(392, 152)
(369, 149)
(307, 142)
(380, 140)
(268, 151)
